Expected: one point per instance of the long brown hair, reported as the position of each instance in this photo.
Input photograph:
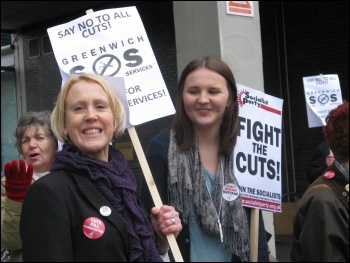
(182, 125)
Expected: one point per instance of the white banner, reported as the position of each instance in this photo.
(257, 155)
(114, 43)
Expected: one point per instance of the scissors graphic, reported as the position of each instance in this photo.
(105, 65)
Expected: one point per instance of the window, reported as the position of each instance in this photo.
(8, 117)
(34, 50)
(47, 45)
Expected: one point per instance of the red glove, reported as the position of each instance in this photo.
(17, 182)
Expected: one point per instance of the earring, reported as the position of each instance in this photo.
(66, 139)
(115, 125)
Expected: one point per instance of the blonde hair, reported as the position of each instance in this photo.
(58, 116)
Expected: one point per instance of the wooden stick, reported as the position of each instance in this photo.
(152, 188)
(254, 234)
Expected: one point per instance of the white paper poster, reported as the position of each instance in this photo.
(113, 43)
(257, 155)
(322, 94)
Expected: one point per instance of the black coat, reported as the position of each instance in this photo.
(318, 162)
(57, 210)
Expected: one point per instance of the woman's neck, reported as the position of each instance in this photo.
(208, 142)
(207, 135)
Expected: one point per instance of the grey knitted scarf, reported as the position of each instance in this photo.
(189, 195)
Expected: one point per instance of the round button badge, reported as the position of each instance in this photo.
(329, 175)
(93, 228)
(105, 211)
(230, 192)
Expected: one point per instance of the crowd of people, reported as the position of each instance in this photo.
(80, 203)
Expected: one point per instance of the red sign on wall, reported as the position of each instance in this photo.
(241, 8)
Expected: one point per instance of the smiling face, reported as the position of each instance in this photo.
(38, 148)
(89, 119)
(205, 98)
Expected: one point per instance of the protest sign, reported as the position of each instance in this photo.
(322, 94)
(114, 43)
(257, 155)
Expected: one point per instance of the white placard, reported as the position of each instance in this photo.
(114, 43)
(322, 94)
(257, 155)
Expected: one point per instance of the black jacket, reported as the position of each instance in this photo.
(61, 221)
(318, 162)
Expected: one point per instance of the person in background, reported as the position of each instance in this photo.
(192, 162)
(37, 145)
(322, 157)
(96, 214)
(321, 222)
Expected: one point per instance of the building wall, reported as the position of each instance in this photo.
(240, 40)
(205, 29)
(42, 76)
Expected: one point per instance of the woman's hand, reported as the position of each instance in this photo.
(165, 220)
(18, 179)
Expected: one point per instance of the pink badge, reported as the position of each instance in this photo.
(329, 175)
(93, 228)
